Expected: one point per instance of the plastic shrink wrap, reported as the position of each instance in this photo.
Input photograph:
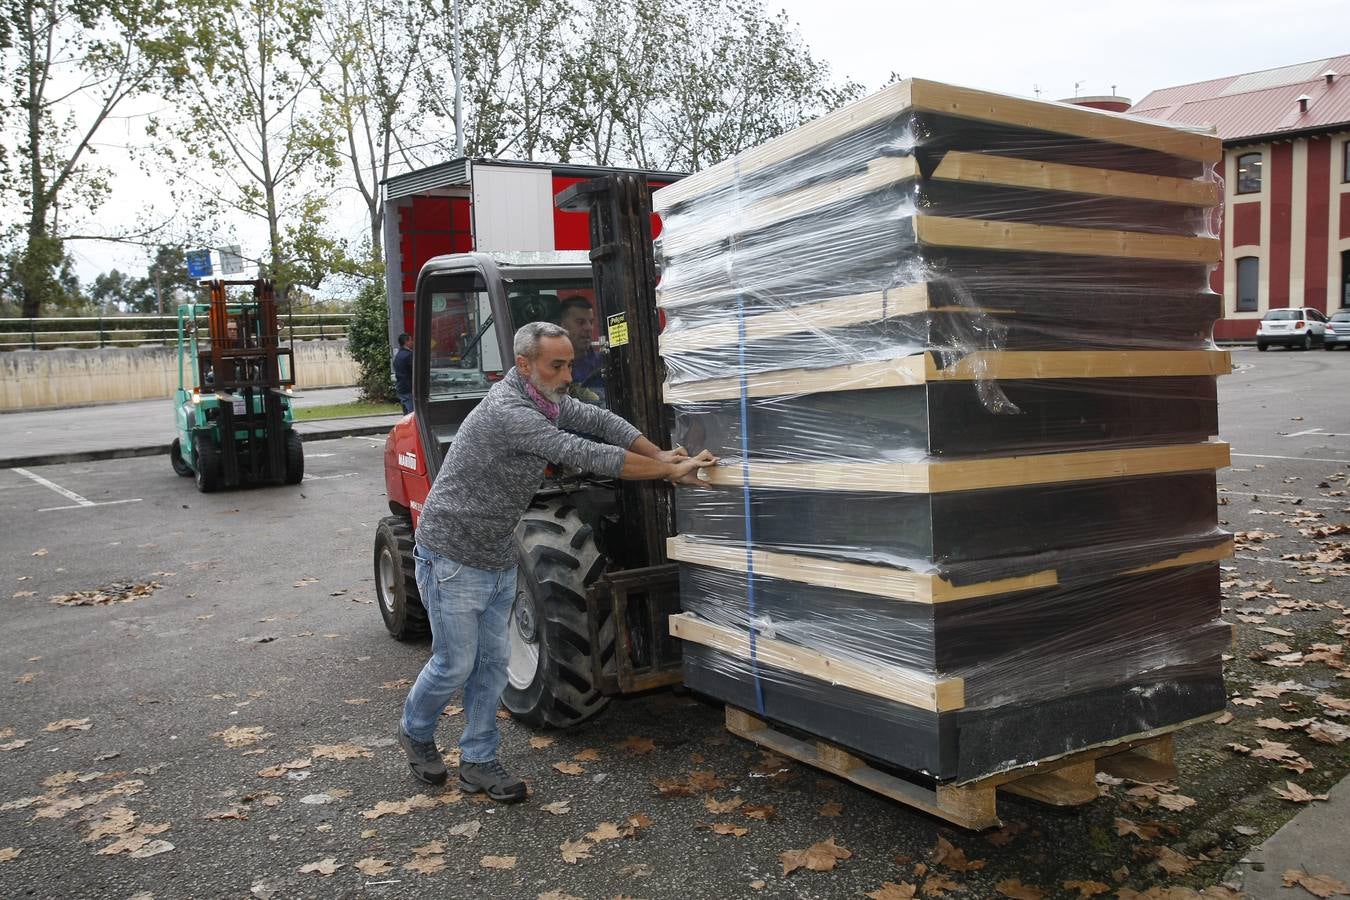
(954, 351)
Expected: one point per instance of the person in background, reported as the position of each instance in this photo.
(403, 372)
(577, 317)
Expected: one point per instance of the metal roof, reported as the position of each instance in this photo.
(455, 173)
(1259, 104)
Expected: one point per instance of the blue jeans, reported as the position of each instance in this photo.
(469, 610)
(407, 401)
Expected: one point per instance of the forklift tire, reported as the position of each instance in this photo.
(396, 580)
(207, 464)
(295, 458)
(176, 457)
(550, 681)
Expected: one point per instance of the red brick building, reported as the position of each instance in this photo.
(1286, 171)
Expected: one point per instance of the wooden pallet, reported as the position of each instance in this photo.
(1068, 780)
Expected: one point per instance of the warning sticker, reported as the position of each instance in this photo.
(618, 330)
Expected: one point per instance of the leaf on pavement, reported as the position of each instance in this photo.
(948, 856)
(726, 828)
(637, 745)
(1172, 862)
(1087, 888)
(1147, 831)
(539, 741)
(399, 807)
(68, 725)
(570, 768)
(819, 857)
(342, 751)
(1295, 793)
(717, 807)
(467, 830)
(282, 768)
(1322, 732)
(640, 820)
(938, 884)
(607, 831)
(397, 683)
(761, 811)
(372, 866)
(237, 736)
(1317, 885)
(556, 895)
(16, 745)
(1274, 750)
(557, 808)
(889, 890)
(9, 853)
(706, 780)
(590, 754)
(425, 865)
(431, 848)
(1175, 802)
(1015, 889)
(234, 812)
(112, 821)
(674, 787)
(573, 851)
(1327, 701)
(152, 848)
(831, 809)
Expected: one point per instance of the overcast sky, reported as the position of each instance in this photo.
(1061, 48)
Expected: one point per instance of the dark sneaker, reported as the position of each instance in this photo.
(492, 778)
(423, 757)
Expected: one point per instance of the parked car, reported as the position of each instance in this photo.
(1299, 328)
(1338, 330)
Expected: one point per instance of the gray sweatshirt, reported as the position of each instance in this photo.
(496, 463)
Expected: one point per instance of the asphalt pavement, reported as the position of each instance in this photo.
(227, 730)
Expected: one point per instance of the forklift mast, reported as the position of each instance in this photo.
(624, 273)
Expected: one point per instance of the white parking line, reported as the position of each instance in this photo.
(69, 495)
(322, 477)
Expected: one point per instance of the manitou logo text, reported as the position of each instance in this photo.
(408, 460)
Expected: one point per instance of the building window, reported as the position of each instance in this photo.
(1345, 161)
(1345, 275)
(1249, 173)
(1248, 272)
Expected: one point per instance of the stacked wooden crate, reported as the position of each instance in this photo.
(954, 348)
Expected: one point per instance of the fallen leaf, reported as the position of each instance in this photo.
(556, 895)
(152, 848)
(574, 851)
(372, 866)
(831, 809)
(717, 807)
(938, 884)
(1086, 888)
(397, 683)
(1014, 888)
(236, 736)
(725, 828)
(590, 754)
(68, 725)
(399, 807)
(326, 866)
(557, 808)
(1175, 802)
(1172, 862)
(234, 812)
(638, 745)
(452, 710)
(570, 768)
(425, 865)
(1146, 831)
(819, 857)
(1293, 792)
(41, 551)
(1224, 719)
(1274, 750)
(639, 820)
(948, 856)
(431, 848)
(1317, 885)
(606, 831)
(889, 890)
(343, 751)
(356, 701)
(706, 781)
(539, 741)
(282, 768)
(9, 853)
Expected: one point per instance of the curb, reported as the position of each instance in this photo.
(56, 459)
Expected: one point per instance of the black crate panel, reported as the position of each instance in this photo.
(956, 419)
(916, 530)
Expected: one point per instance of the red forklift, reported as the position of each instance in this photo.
(595, 587)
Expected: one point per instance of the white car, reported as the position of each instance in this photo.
(1338, 330)
(1299, 327)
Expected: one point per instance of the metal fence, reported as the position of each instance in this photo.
(137, 331)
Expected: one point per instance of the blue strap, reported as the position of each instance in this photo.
(745, 495)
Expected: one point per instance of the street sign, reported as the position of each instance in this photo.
(231, 262)
(199, 263)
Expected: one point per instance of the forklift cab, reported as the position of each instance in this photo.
(469, 306)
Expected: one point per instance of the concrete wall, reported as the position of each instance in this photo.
(33, 379)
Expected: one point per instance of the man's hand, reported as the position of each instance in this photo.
(677, 454)
(686, 470)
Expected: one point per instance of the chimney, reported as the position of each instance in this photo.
(1303, 102)
(1330, 76)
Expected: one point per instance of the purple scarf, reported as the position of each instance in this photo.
(542, 403)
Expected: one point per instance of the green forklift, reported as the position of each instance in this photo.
(232, 408)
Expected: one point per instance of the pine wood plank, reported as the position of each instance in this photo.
(1209, 554)
(1006, 171)
(905, 686)
(984, 364)
(938, 476)
(838, 312)
(881, 173)
(881, 581)
(1024, 237)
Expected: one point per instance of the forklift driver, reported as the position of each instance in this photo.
(465, 548)
(578, 318)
